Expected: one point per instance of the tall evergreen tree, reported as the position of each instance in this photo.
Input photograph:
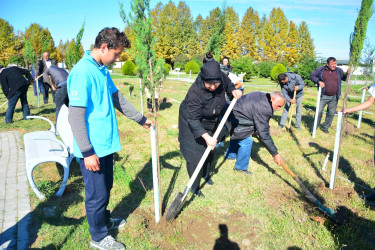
(74, 49)
(150, 70)
(217, 24)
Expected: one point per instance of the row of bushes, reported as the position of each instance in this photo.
(129, 68)
(241, 65)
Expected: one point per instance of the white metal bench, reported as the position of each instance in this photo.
(43, 146)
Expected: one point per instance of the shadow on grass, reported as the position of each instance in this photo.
(144, 180)
(37, 217)
(356, 232)
(223, 242)
(255, 157)
(165, 105)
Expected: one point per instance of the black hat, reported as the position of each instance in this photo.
(210, 72)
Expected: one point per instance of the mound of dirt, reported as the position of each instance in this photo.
(202, 228)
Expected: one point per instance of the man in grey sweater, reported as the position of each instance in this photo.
(290, 82)
(92, 101)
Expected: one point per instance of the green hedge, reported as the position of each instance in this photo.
(276, 70)
(128, 68)
(193, 66)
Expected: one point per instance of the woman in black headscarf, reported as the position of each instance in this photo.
(199, 118)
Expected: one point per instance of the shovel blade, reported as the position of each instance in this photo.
(175, 207)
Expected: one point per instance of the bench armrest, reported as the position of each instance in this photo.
(65, 153)
(52, 129)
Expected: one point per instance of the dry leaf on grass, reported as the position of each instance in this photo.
(318, 219)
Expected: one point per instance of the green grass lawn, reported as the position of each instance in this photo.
(266, 210)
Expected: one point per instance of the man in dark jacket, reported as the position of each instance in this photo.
(290, 82)
(56, 77)
(250, 115)
(329, 78)
(14, 86)
(43, 65)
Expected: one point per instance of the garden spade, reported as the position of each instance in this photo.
(327, 211)
(178, 202)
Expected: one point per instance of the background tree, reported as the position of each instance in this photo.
(167, 45)
(249, 34)
(274, 36)
(9, 43)
(41, 40)
(217, 22)
(61, 52)
(29, 55)
(74, 49)
(230, 45)
(306, 43)
(367, 60)
(292, 48)
(197, 26)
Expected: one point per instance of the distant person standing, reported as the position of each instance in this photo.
(56, 77)
(14, 86)
(43, 65)
(290, 82)
(225, 66)
(329, 78)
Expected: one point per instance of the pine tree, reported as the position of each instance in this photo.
(29, 55)
(74, 50)
(357, 39)
(150, 70)
(217, 24)
(249, 34)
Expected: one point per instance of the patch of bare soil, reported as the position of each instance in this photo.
(203, 230)
(125, 134)
(277, 197)
(340, 194)
(274, 131)
(348, 128)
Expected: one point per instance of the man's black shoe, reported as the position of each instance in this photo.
(209, 181)
(369, 197)
(324, 130)
(198, 193)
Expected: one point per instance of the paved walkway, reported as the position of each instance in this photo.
(15, 215)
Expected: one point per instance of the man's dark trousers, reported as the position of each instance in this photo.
(61, 98)
(331, 101)
(21, 94)
(46, 88)
(98, 185)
